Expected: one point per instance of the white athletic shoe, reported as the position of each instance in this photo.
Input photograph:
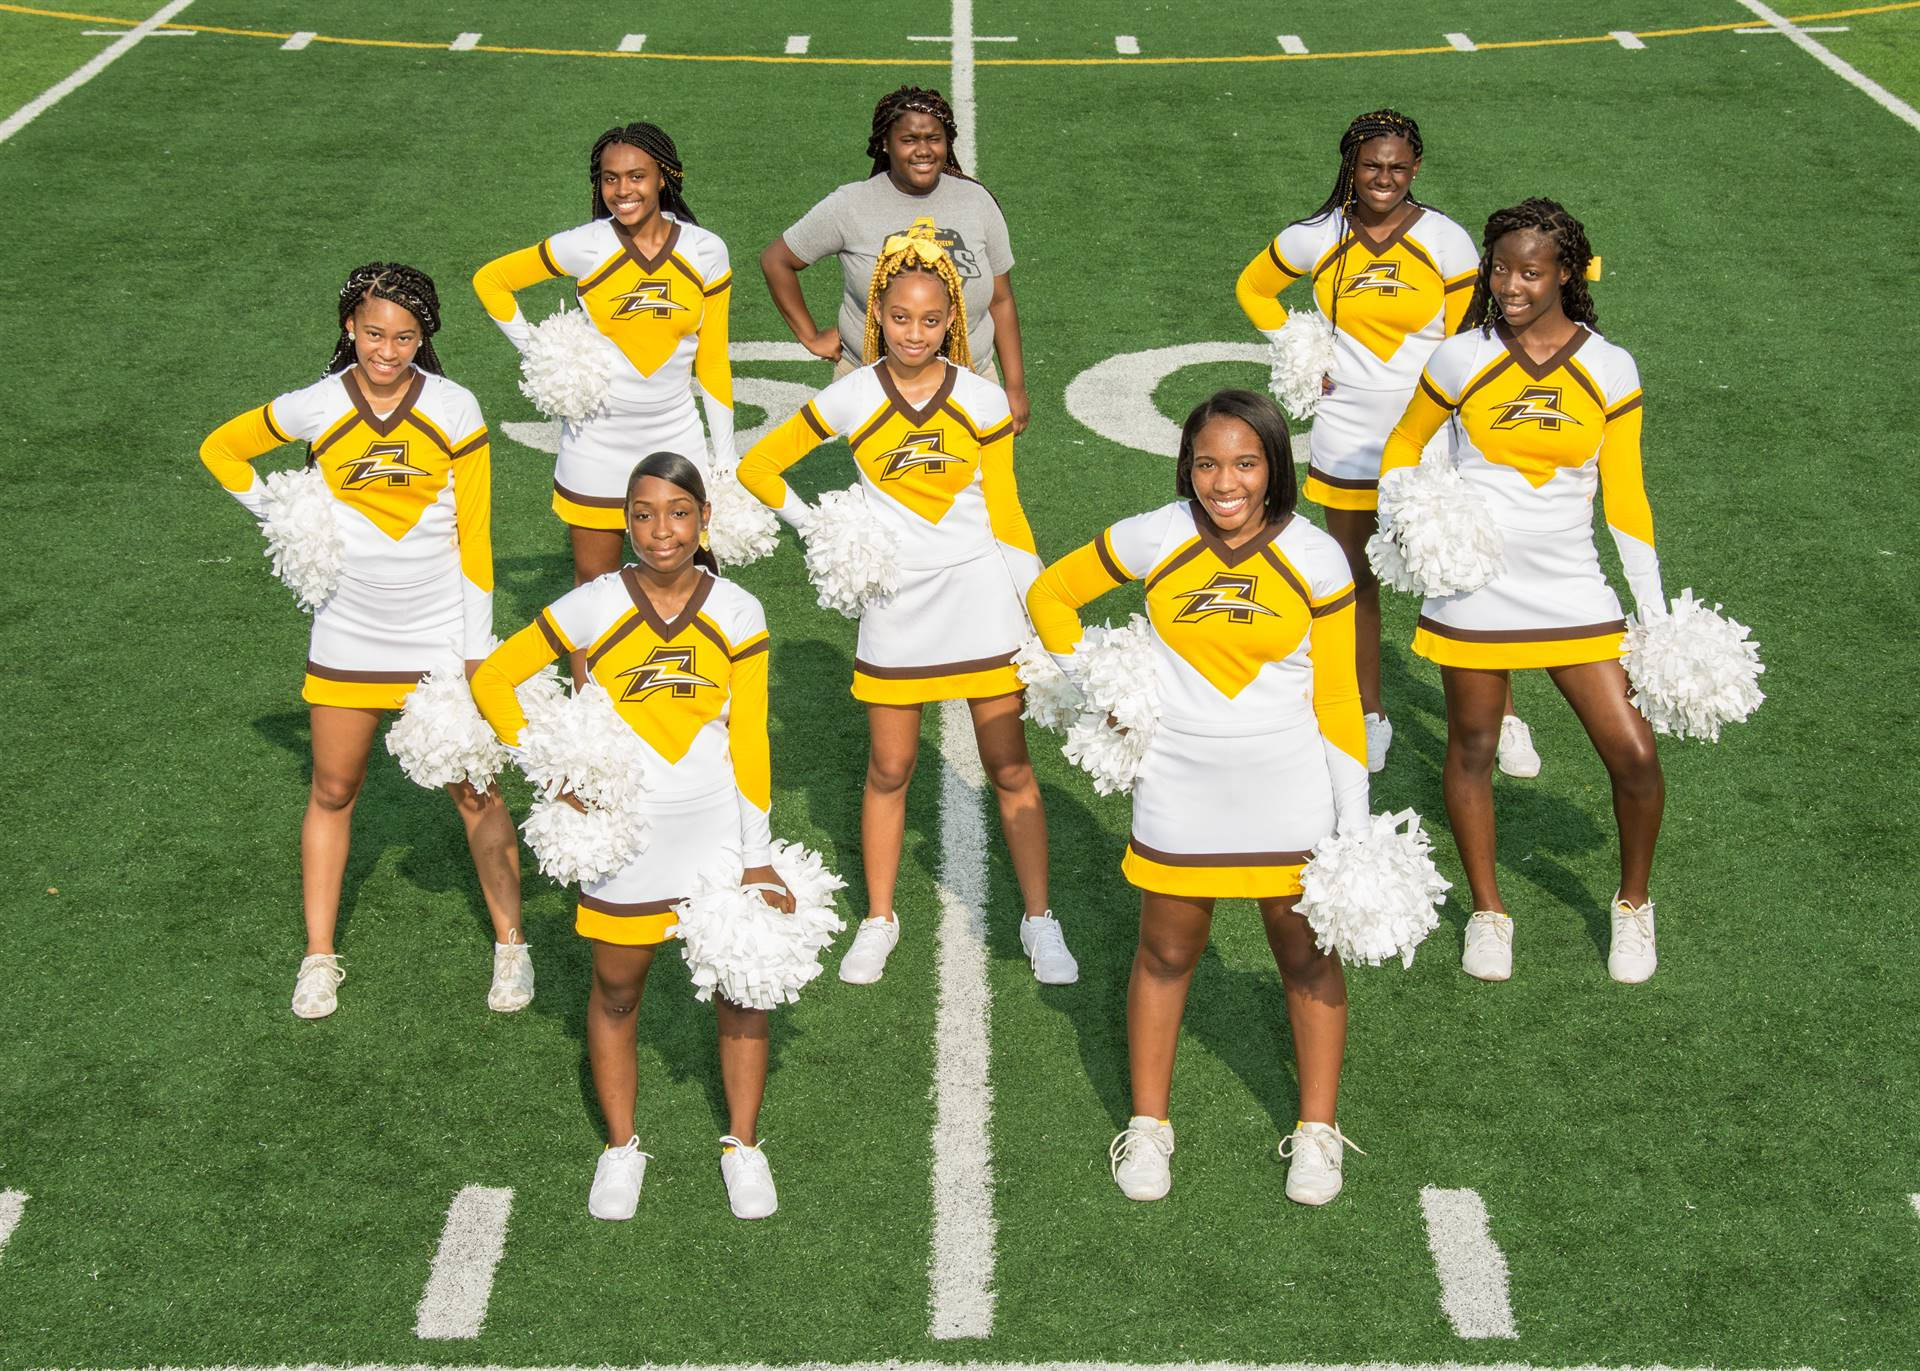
(1488, 952)
(1138, 1158)
(315, 990)
(1045, 944)
(1316, 1151)
(512, 986)
(1515, 752)
(1379, 739)
(873, 943)
(750, 1192)
(616, 1181)
(1630, 955)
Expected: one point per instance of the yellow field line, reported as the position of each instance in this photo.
(1508, 45)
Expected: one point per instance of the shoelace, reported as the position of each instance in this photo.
(1048, 936)
(327, 964)
(750, 1156)
(1634, 927)
(870, 929)
(1502, 927)
(1121, 1149)
(1322, 1140)
(630, 1148)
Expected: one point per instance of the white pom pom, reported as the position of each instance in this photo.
(742, 530)
(440, 738)
(573, 846)
(1052, 701)
(1115, 673)
(1373, 894)
(1110, 755)
(1437, 535)
(567, 368)
(735, 943)
(851, 557)
(1692, 670)
(303, 541)
(1301, 354)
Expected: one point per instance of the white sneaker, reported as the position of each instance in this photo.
(1515, 752)
(873, 943)
(315, 989)
(1379, 739)
(1630, 955)
(1316, 1150)
(616, 1181)
(1488, 952)
(512, 986)
(750, 1192)
(1138, 1158)
(1045, 944)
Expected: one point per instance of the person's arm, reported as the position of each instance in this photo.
(1623, 490)
(230, 450)
(782, 266)
(1259, 287)
(1006, 346)
(496, 282)
(1336, 705)
(1004, 515)
(713, 372)
(1425, 412)
(760, 469)
(1079, 578)
(473, 518)
(513, 662)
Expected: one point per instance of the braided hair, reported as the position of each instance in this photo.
(912, 100)
(407, 287)
(918, 250)
(675, 470)
(1571, 250)
(1379, 123)
(652, 140)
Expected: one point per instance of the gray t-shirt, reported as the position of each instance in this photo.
(855, 221)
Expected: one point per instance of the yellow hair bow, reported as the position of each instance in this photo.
(919, 239)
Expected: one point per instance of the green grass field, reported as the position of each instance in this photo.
(1713, 1169)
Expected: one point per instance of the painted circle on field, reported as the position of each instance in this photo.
(1114, 398)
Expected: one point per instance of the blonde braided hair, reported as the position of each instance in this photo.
(917, 250)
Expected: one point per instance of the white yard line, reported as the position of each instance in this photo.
(13, 1203)
(1473, 1273)
(1627, 39)
(471, 1244)
(1290, 43)
(1459, 42)
(299, 40)
(1876, 92)
(1126, 45)
(798, 43)
(1914, 1198)
(633, 42)
(1811, 28)
(960, 84)
(54, 94)
(466, 42)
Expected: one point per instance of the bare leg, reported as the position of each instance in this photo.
(1316, 989)
(1475, 701)
(1624, 739)
(1003, 752)
(1173, 934)
(496, 854)
(895, 732)
(743, 1065)
(342, 739)
(1351, 528)
(619, 975)
(596, 551)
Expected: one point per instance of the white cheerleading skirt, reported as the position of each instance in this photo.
(689, 839)
(1344, 447)
(372, 643)
(948, 633)
(1552, 606)
(597, 457)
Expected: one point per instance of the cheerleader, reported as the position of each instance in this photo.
(1258, 755)
(657, 285)
(1392, 276)
(1543, 409)
(684, 656)
(405, 457)
(933, 443)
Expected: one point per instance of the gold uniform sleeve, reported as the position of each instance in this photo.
(1079, 578)
(1425, 412)
(1004, 515)
(473, 509)
(710, 365)
(1623, 491)
(760, 469)
(496, 282)
(1259, 285)
(230, 450)
(512, 662)
(1336, 685)
(1459, 296)
(747, 725)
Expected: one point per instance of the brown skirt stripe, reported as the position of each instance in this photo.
(1521, 635)
(1343, 482)
(1154, 854)
(916, 673)
(334, 673)
(626, 911)
(590, 501)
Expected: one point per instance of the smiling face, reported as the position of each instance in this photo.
(1526, 277)
(664, 522)
(915, 315)
(629, 183)
(916, 152)
(1230, 474)
(1383, 173)
(385, 338)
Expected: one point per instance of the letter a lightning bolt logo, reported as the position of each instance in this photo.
(666, 668)
(646, 297)
(383, 462)
(1225, 594)
(1381, 276)
(917, 452)
(1534, 405)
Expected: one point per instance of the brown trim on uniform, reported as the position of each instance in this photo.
(1331, 606)
(918, 673)
(341, 430)
(753, 650)
(1175, 562)
(400, 411)
(606, 269)
(1342, 482)
(726, 283)
(650, 265)
(1585, 382)
(1462, 283)
(1375, 250)
(626, 911)
(917, 417)
(1539, 371)
(1280, 262)
(630, 578)
(590, 501)
(686, 270)
(1004, 431)
(546, 259)
(266, 415)
(613, 640)
(479, 441)
(1419, 253)
(1521, 635)
(1272, 558)
(1232, 556)
(952, 411)
(1627, 408)
(813, 422)
(1154, 854)
(1487, 377)
(875, 422)
(713, 636)
(432, 430)
(1433, 394)
(551, 634)
(1107, 560)
(334, 673)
